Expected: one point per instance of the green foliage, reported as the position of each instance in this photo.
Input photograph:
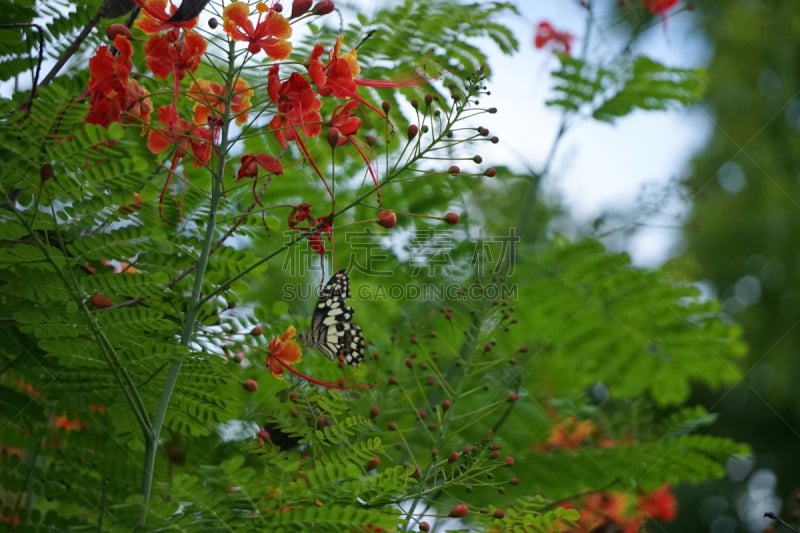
(131, 287)
(608, 94)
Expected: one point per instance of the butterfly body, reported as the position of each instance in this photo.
(333, 331)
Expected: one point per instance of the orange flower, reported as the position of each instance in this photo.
(211, 97)
(283, 351)
(269, 34)
(570, 434)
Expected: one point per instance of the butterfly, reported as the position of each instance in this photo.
(333, 331)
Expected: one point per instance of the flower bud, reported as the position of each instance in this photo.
(387, 219)
(333, 136)
(459, 511)
(451, 218)
(324, 7)
(299, 7)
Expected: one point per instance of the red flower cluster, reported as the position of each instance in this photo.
(546, 35)
(298, 106)
(316, 228)
(624, 512)
(113, 95)
(211, 97)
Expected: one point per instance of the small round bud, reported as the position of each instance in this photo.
(499, 514)
(509, 461)
(387, 219)
(101, 301)
(46, 171)
(513, 397)
(453, 457)
(374, 412)
(490, 172)
(459, 511)
(412, 131)
(424, 526)
(455, 169)
(213, 23)
(118, 29)
(451, 218)
(250, 385)
(446, 404)
(373, 462)
(477, 159)
(428, 99)
(392, 426)
(415, 103)
(386, 106)
(257, 331)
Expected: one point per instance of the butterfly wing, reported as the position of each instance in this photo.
(332, 329)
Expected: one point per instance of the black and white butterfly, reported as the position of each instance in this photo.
(333, 331)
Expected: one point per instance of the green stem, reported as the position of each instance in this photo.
(195, 302)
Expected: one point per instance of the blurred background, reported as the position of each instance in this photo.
(711, 192)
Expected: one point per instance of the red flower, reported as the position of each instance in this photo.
(251, 162)
(659, 504)
(298, 107)
(659, 7)
(166, 53)
(270, 33)
(339, 77)
(113, 93)
(212, 96)
(546, 34)
(345, 122)
(187, 136)
(317, 227)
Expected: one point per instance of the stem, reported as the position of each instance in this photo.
(195, 302)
